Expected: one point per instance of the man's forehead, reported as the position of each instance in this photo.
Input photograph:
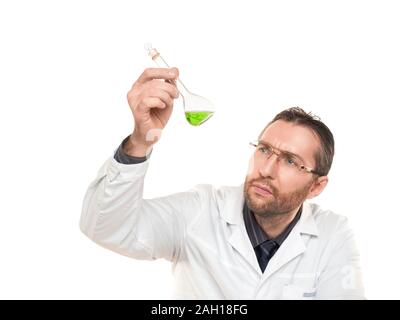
(291, 137)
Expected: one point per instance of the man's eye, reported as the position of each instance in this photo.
(291, 161)
(264, 150)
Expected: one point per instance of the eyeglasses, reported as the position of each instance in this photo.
(288, 161)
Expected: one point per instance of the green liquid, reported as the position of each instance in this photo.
(197, 118)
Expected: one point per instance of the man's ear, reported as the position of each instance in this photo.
(317, 187)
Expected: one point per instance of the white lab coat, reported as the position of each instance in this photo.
(202, 233)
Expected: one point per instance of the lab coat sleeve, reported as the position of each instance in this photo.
(115, 215)
(341, 277)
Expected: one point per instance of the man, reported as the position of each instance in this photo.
(259, 240)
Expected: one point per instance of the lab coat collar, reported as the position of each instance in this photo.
(230, 207)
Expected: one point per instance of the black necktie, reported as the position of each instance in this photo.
(264, 252)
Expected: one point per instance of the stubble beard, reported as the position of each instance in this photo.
(274, 205)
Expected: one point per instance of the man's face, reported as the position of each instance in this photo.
(289, 188)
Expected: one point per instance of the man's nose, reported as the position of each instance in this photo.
(270, 166)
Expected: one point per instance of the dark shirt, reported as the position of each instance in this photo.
(124, 158)
(259, 238)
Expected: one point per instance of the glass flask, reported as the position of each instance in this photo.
(197, 108)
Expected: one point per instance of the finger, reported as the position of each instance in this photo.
(158, 73)
(161, 94)
(151, 102)
(171, 89)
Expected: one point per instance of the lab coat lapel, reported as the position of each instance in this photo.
(240, 242)
(290, 249)
(295, 243)
(231, 210)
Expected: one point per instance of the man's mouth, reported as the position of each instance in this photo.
(261, 189)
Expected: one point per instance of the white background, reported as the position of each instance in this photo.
(65, 69)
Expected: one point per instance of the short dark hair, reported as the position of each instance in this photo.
(324, 155)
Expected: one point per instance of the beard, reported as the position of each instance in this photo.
(276, 204)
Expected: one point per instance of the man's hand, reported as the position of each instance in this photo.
(150, 99)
